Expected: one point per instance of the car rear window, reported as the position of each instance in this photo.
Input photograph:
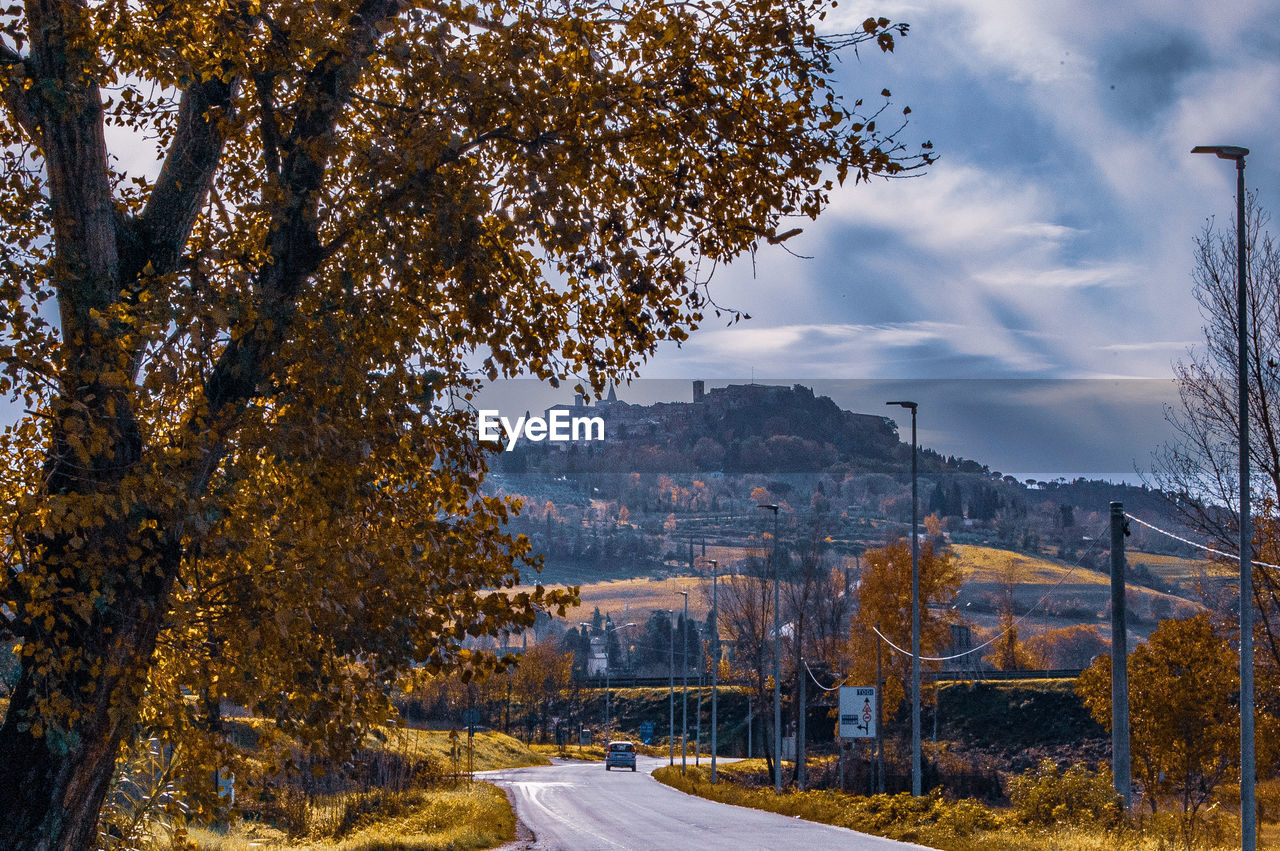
(625, 748)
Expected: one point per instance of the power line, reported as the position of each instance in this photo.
(818, 684)
(1010, 627)
(1232, 556)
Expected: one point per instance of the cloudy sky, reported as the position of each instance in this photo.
(1053, 237)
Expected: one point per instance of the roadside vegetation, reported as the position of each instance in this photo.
(402, 789)
(595, 752)
(1049, 809)
(470, 816)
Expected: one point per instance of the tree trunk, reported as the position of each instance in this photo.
(87, 640)
(52, 786)
(766, 729)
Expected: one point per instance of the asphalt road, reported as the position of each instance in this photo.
(576, 806)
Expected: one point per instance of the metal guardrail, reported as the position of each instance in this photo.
(979, 676)
(616, 681)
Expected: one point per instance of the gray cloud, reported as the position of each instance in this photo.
(1143, 76)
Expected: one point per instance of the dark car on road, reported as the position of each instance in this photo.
(620, 755)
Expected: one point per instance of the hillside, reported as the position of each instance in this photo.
(745, 428)
(675, 485)
(1060, 594)
(1075, 594)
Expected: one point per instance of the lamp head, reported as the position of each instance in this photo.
(911, 405)
(1222, 152)
(769, 507)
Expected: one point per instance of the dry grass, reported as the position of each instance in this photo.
(1178, 569)
(595, 752)
(950, 825)
(988, 564)
(490, 749)
(641, 596)
(589, 753)
(423, 814)
(475, 816)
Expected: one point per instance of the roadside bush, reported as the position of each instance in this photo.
(1048, 796)
(931, 819)
(361, 810)
(961, 775)
(889, 813)
(286, 807)
(964, 817)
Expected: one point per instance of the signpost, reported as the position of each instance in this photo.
(646, 732)
(227, 785)
(858, 712)
(470, 717)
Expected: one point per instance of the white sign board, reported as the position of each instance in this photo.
(858, 712)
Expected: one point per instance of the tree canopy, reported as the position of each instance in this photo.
(246, 468)
(884, 603)
(1183, 710)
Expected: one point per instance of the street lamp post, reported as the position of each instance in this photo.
(684, 685)
(671, 688)
(777, 658)
(608, 715)
(1248, 811)
(715, 658)
(915, 606)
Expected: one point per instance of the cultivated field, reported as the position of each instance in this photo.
(1076, 594)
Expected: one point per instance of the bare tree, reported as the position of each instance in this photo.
(817, 610)
(1199, 468)
(746, 613)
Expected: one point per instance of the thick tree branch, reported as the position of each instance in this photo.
(74, 144)
(294, 246)
(179, 194)
(262, 84)
(418, 183)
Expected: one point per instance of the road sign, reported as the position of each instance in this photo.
(227, 784)
(858, 712)
(470, 717)
(646, 732)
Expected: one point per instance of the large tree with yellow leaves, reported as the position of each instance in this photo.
(240, 473)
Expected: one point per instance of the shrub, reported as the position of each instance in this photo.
(1048, 796)
(964, 817)
(889, 813)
